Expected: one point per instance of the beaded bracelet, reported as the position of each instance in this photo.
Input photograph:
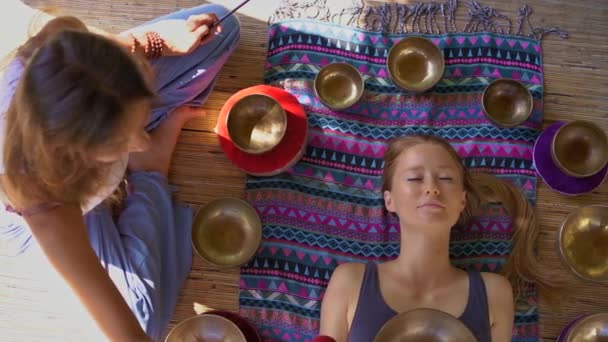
(154, 46)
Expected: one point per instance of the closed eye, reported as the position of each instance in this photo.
(446, 178)
(414, 179)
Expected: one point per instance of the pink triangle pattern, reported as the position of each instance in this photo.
(294, 215)
(493, 150)
(342, 145)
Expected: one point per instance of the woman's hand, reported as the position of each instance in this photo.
(181, 36)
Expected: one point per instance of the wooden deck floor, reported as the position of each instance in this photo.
(576, 71)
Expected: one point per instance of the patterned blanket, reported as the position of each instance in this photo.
(328, 209)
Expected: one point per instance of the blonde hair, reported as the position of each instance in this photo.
(522, 265)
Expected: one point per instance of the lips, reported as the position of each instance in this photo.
(432, 204)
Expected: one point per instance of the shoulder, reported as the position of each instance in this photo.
(343, 289)
(496, 284)
(346, 280)
(500, 296)
(348, 274)
(340, 300)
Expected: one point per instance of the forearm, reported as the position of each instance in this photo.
(62, 236)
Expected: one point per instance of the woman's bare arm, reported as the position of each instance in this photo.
(61, 233)
(500, 302)
(337, 300)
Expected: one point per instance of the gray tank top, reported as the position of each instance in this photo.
(372, 311)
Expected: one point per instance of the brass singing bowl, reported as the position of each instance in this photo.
(338, 85)
(415, 64)
(226, 232)
(207, 328)
(593, 328)
(425, 325)
(583, 242)
(507, 102)
(580, 148)
(256, 123)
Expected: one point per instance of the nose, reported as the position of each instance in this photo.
(139, 142)
(431, 188)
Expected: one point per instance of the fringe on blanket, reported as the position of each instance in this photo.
(430, 18)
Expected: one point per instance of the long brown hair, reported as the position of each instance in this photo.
(71, 99)
(522, 265)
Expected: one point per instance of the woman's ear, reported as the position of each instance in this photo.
(388, 201)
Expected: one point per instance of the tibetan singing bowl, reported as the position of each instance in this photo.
(592, 328)
(339, 85)
(583, 242)
(207, 328)
(415, 64)
(580, 149)
(506, 102)
(425, 325)
(226, 232)
(256, 123)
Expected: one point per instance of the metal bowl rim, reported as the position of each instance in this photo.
(560, 241)
(199, 317)
(359, 81)
(502, 124)
(580, 321)
(258, 224)
(434, 311)
(398, 83)
(283, 119)
(559, 164)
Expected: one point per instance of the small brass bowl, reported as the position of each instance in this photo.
(580, 149)
(415, 64)
(506, 102)
(592, 328)
(583, 242)
(256, 123)
(338, 85)
(206, 327)
(226, 232)
(425, 325)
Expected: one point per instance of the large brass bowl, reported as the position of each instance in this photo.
(256, 123)
(507, 102)
(338, 85)
(592, 328)
(583, 242)
(580, 148)
(206, 327)
(226, 232)
(415, 64)
(428, 325)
